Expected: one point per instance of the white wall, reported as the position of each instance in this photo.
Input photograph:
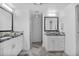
(21, 23)
(68, 15)
(77, 29)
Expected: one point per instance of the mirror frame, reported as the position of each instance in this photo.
(11, 21)
(51, 30)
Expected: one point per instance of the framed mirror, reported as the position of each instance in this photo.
(6, 20)
(51, 24)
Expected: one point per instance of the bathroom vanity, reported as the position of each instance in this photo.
(53, 39)
(11, 44)
(54, 42)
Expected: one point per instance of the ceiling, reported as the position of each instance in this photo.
(53, 5)
(45, 6)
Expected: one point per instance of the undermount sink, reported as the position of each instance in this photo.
(49, 34)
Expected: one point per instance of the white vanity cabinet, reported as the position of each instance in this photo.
(11, 47)
(18, 45)
(54, 43)
(6, 47)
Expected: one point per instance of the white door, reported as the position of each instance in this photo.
(36, 26)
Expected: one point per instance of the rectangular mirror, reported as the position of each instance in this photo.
(51, 24)
(5, 20)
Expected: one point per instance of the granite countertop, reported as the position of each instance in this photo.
(55, 34)
(4, 36)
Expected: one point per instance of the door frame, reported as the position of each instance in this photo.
(41, 28)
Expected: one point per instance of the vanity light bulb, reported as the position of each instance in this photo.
(7, 7)
(52, 15)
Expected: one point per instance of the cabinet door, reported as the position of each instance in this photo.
(7, 47)
(14, 53)
(22, 41)
(15, 47)
(18, 45)
(59, 44)
(45, 41)
(50, 44)
(54, 43)
(1, 50)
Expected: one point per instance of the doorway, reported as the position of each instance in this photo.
(35, 28)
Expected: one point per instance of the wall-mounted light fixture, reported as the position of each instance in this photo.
(5, 6)
(52, 12)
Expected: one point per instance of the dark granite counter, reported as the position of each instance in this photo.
(4, 36)
(55, 34)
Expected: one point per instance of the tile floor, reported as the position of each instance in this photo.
(38, 50)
